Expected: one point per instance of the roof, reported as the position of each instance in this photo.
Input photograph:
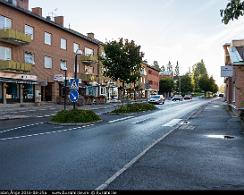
(150, 67)
(95, 41)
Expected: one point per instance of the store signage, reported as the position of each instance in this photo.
(18, 76)
(226, 71)
(58, 77)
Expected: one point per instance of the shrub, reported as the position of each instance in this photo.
(75, 116)
(138, 107)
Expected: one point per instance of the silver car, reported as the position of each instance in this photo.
(157, 99)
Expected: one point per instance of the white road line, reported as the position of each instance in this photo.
(45, 133)
(21, 127)
(132, 162)
(172, 123)
(121, 119)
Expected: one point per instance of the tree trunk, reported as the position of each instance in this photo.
(134, 90)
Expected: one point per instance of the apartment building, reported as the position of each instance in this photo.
(35, 51)
(149, 80)
(234, 80)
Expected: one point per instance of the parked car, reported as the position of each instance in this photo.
(177, 97)
(157, 99)
(187, 97)
(221, 95)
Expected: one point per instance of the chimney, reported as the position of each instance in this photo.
(37, 11)
(59, 20)
(24, 4)
(91, 35)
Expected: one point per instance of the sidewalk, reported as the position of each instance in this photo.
(196, 156)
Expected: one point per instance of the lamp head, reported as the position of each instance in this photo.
(78, 52)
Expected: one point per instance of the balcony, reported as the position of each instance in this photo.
(13, 66)
(88, 77)
(90, 59)
(14, 37)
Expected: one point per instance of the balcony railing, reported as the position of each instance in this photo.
(13, 66)
(88, 77)
(90, 59)
(14, 37)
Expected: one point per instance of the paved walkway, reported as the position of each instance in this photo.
(207, 153)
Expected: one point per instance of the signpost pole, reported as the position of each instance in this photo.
(65, 87)
(75, 76)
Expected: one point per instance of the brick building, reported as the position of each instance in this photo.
(234, 57)
(35, 49)
(149, 80)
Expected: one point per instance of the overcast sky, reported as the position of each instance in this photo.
(167, 30)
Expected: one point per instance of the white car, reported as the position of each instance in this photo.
(157, 99)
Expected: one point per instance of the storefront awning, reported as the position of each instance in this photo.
(17, 81)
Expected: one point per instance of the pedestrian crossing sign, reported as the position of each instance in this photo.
(74, 84)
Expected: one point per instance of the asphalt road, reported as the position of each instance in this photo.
(38, 155)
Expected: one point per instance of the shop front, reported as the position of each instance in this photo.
(17, 89)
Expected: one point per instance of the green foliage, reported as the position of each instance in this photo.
(234, 9)
(177, 69)
(130, 108)
(169, 67)
(122, 60)
(166, 85)
(163, 69)
(186, 84)
(199, 71)
(75, 116)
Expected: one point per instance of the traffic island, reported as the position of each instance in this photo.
(134, 108)
(75, 117)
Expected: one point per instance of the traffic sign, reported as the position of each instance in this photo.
(74, 84)
(74, 95)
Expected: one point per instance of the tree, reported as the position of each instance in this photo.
(156, 65)
(213, 87)
(198, 71)
(122, 61)
(233, 10)
(177, 74)
(166, 85)
(186, 84)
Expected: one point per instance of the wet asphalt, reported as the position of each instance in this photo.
(206, 153)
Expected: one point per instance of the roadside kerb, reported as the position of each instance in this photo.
(134, 160)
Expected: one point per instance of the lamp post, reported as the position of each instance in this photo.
(78, 52)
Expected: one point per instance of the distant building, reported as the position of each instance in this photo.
(234, 57)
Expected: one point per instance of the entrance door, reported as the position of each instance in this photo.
(48, 92)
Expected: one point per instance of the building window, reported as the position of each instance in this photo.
(5, 53)
(5, 23)
(48, 38)
(76, 47)
(29, 31)
(48, 62)
(89, 51)
(63, 65)
(63, 44)
(29, 58)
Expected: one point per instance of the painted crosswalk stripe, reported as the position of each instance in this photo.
(172, 123)
(121, 119)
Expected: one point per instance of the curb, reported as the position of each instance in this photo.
(74, 124)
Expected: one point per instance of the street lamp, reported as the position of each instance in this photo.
(78, 52)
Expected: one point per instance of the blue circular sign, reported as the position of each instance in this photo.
(74, 95)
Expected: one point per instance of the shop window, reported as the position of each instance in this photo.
(5, 23)
(28, 92)
(5, 53)
(13, 92)
(1, 92)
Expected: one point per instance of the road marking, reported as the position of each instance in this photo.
(45, 133)
(21, 127)
(172, 123)
(132, 162)
(121, 119)
(143, 121)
